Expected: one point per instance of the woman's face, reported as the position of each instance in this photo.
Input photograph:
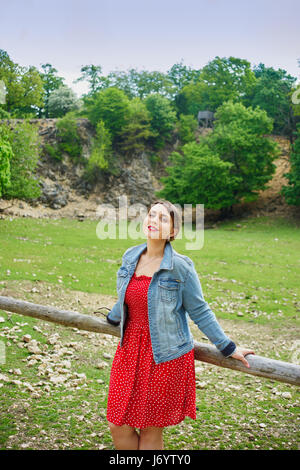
(158, 223)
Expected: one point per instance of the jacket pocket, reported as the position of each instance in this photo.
(168, 289)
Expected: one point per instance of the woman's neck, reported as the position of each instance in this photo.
(155, 248)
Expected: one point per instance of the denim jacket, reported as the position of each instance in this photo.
(174, 293)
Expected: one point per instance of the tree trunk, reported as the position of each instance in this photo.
(260, 366)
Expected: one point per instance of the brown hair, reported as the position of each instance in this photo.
(174, 213)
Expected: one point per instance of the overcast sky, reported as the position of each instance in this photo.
(149, 34)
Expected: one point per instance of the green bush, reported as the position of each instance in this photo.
(135, 133)
(163, 119)
(291, 192)
(6, 154)
(53, 151)
(25, 144)
(68, 138)
(187, 128)
(100, 154)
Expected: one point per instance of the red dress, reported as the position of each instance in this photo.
(142, 393)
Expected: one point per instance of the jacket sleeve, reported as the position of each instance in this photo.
(199, 311)
(114, 316)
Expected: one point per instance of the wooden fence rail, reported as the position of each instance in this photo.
(261, 366)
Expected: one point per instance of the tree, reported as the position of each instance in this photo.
(220, 80)
(25, 144)
(101, 153)
(61, 101)
(110, 105)
(135, 134)
(199, 175)
(6, 154)
(181, 75)
(23, 85)
(92, 74)
(272, 92)
(291, 192)
(163, 119)
(229, 165)
(51, 82)
(239, 138)
(187, 128)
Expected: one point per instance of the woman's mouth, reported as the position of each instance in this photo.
(152, 229)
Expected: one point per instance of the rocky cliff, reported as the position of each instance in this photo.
(66, 194)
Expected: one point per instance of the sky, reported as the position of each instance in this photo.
(149, 34)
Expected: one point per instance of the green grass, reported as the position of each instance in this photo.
(253, 269)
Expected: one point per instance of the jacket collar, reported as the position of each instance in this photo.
(166, 262)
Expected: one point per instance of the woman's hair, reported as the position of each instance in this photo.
(174, 213)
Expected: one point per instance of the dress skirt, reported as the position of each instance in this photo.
(142, 393)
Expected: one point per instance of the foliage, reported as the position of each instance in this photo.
(62, 101)
(272, 93)
(25, 144)
(220, 80)
(291, 192)
(53, 151)
(100, 154)
(4, 114)
(199, 175)
(51, 82)
(69, 140)
(6, 155)
(24, 87)
(92, 74)
(134, 135)
(230, 164)
(187, 127)
(111, 106)
(181, 75)
(163, 119)
(240, 137)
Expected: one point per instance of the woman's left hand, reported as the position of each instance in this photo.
(240, 353)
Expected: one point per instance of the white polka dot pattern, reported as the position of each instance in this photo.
(142, 393)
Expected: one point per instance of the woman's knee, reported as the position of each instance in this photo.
(123, 429)
(151, 431)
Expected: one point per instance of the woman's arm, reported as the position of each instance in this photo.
(199, 311)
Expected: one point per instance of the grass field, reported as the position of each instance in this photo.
(56, 399)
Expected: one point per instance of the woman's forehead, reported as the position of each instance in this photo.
(160, 208)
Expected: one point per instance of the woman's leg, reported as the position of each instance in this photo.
(124, 437)
(151, 438)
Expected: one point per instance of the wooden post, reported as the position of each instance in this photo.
(261, 366)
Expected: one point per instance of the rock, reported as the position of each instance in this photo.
(4, 378)
(33, 348)
(53, 339)
(17, 372)
(101, 365)
(201, 385)
(2, 320)
(26, 338)
(58, 379)
(106, 356)
(286, 395)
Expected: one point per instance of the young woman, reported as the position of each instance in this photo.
(152, 381)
